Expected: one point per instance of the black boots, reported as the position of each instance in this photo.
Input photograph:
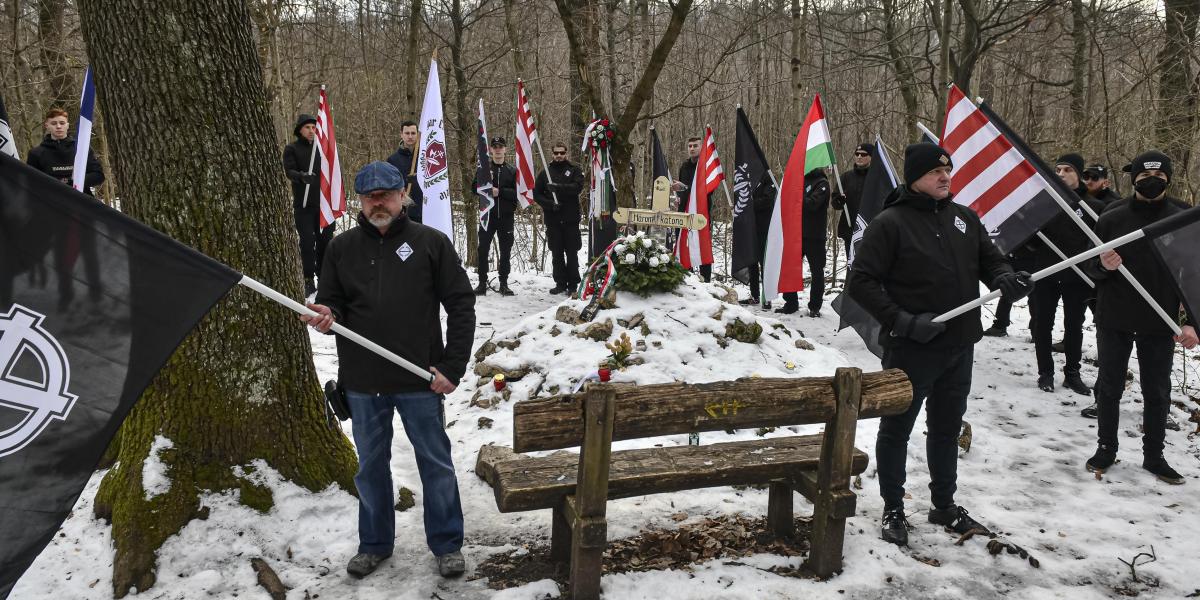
(1158, 465)
(996, 331)
(1046, 383)
(481, 289)
(1073, 382)
(504, 289)
(1104, 458)
(955, 518)
(895, 526)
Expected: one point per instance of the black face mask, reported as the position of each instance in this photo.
(1150, 187)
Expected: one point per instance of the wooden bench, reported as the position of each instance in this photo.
(577, 487)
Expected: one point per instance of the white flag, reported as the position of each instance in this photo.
(433, 164)
(83, 135)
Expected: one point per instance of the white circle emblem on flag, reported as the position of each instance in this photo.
(23, 338)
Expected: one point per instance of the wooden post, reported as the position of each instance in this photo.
(833, 473)
(589, 529)
(560, 538)
(779, 510)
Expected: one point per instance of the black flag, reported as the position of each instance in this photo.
(483, 171)
(1176, 241)
(880, 184)
(658, 159)
(8, 145)
(77, 351)
(751, 178)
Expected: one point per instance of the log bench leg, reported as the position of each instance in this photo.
(588, 540)
(828, 535)
(560, 539)
(779, 510)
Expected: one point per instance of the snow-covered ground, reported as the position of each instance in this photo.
(1024, 476)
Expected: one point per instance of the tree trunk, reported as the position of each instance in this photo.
(1079, 118)
(1175, 109)
(242, 386)
(945, 35)
(799, 18)
(411, 104)
(51, 37)
(514, 36)
(905, 77)
(466, 133)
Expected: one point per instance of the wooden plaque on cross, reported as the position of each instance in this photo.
(660, 214)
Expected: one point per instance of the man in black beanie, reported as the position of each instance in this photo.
(1124, 319)
(921, 256)
(851, 197)
(1067, 285)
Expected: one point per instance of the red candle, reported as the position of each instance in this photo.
(498, 381)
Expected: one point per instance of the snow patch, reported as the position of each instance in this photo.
(155, 481)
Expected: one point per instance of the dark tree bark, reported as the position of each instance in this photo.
(411, 103)
(465, 119)
(901, 65)
(1175, 121)
(51, 42)
(242, 387)
(1079, 39)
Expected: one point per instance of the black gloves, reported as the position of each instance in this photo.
(554, 187)
(919, 328)
(1014, 286)
(310, 178)
(839, 201)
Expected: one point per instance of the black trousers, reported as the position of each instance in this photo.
(941, 378)
(1074, 294)
(1004, 307)
(564, 242)
(72, 242)
(814, 255)
(313, 240)
(706, 273)
(501, 227)
(1156, 355)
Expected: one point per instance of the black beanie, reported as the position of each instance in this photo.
(301, 121)
(1149, 161)
(923, 157)
(1073, 160)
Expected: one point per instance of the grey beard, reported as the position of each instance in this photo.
(380, 219)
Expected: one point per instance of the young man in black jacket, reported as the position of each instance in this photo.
(386, 279)
(923, 255)
(297, 156)
(687, 173)
(1066, 285)
(851, 197)
(402, 159)
(560, 205)
(55, 156)
(1124, 319)
(502, 220)
(813, 231)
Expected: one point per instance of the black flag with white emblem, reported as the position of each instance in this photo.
(752, 184)
(92, 304)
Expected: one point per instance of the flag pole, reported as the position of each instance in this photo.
(1121, 268)
(1048, 271)
(338, 328)
(1061, 256)
(537, 139)
(312, 158)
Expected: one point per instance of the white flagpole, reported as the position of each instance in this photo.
(312, 158)
(337, 327)
(1061, 256)
(1048, 271)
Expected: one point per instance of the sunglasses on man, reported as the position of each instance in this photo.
(861, 154)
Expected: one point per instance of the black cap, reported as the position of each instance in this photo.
(923, 157)
(499, 141)
(301, 121)
(1100, 171)
(867, 147)
(1073, 160)
(1149, 161)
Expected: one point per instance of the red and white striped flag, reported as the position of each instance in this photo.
(333, 199)
(526, 138)
(695, 245)
(993, 175)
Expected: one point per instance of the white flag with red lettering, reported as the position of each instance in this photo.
(526, 138)
(333, 198)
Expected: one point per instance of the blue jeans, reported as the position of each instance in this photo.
(424, 422)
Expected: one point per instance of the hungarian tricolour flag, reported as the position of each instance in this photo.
(783, 269)
(694, 247)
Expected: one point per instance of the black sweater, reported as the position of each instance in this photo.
(394, 301)
(921, 255)
(56, 158)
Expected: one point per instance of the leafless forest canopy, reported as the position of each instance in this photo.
(1107, 78)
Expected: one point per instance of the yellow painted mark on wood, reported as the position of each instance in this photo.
(725, 408)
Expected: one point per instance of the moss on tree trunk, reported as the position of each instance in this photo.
(196, 157)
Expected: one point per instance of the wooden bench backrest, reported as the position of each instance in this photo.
(675, 408)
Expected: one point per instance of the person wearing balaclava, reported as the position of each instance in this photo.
(1125, 320)
(1066, 285)
(921, 256)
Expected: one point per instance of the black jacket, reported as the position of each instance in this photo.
(816, 207)
(295, 163)
(402, 159)
(852, 187)
(1066, 234)
(1118, 305)
(56, 158)
(504, 178)
(687, 172)
(394, 301)
(922, 255)
(568, 179)
(1107, 196)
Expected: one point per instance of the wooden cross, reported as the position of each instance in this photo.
(660, 214)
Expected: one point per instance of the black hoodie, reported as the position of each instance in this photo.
(921, 255)
(390, 289)
(56, 158)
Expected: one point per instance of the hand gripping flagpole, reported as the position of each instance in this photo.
(337, 327)
(1048, 271)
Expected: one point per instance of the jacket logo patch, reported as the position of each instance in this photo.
(960, 224)
(567, 173)
(1079, 211)
(404, 251)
